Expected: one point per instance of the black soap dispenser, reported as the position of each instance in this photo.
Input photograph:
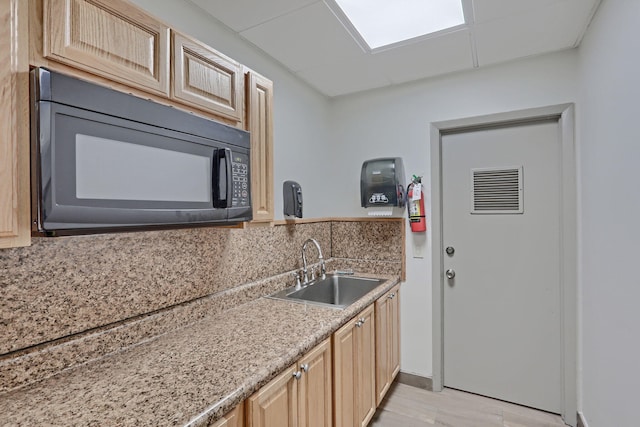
(292, 197)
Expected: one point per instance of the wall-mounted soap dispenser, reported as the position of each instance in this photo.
(382, 183)
(292, 197)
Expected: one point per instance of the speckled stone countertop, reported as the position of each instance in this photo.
(190, 376)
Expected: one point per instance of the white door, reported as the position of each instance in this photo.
(501, 217)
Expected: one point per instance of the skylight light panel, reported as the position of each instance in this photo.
(384, 22)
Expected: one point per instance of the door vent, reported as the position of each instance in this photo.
(496, 190)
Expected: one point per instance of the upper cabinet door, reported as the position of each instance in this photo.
(260, 125)
(14, 125)
(206, 79)
(112, 39)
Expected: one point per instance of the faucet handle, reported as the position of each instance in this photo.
(296, 276)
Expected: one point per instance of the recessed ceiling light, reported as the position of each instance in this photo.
(382, 22)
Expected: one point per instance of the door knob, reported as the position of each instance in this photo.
(450, 274)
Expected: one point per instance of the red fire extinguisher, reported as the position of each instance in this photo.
(415, 205)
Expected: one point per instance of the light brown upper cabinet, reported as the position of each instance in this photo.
(354, 371)
(260, 124)
(14, 124)
(112, 39)
(387, 341)
(205, 78)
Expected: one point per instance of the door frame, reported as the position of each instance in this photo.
(564, 114)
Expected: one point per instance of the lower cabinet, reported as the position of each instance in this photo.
(387, 341)
(235, 418)
(354, 371)
(341, 381)
(299, 397)
(315, 391)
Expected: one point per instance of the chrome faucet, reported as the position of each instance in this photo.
(323, 270)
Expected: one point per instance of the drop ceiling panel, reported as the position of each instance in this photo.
(240, 15)
(348, 76)
(488, 10)
(308, 37)
(431, 57)
(538, 31)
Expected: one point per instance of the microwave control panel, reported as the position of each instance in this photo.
(240, 176)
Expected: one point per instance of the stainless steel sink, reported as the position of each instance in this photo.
(334, 291)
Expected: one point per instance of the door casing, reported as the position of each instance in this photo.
(564, 113)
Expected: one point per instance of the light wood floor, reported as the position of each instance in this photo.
(406, 406)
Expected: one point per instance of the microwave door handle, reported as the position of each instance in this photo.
(224, 179)
(229, 180)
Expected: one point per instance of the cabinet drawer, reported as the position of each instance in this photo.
(205, 78)
(112, 39)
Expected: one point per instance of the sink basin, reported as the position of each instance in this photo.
(334, 291)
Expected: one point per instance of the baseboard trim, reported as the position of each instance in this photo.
(582, 422)
(418, 381)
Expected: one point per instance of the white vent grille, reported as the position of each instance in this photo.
(496, 191)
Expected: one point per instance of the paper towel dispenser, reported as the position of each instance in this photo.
(382, 183)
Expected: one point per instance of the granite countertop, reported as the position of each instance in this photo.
(190, 376)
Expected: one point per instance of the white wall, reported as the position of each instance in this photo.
(395, 122)
(300, 113)
(609, 63)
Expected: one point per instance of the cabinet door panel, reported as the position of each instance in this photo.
(365, 368)
(14, 125)
(387, 341)
(206, 78)
(316, 391)
(394, 331)
(383, 346)
(344, 359)
(276, 404)
(260, 124)
(112, 38)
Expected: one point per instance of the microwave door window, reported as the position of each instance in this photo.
(108, 169)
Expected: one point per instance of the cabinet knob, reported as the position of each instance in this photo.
(305, 367)
(392, 296)
(297, 375)
(359, 323)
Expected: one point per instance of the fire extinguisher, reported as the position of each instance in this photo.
(415, 205)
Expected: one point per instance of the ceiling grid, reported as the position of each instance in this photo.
(308, 38)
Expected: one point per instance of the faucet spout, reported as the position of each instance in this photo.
(323, 269)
